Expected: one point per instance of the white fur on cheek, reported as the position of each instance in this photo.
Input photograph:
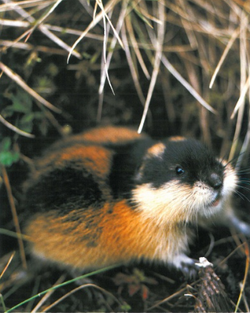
(171, 203)
(230, 180)
(177, 202)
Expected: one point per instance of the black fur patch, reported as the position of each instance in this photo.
(126, 163)
(64, 190)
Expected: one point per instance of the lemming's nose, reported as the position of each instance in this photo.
(215, 181)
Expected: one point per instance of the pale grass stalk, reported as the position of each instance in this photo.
(95, 10)
(243, 284)
(28, 46)
(144, 42)
(12, 23)
(109, 21)
(241, 100)
(131, 65)
(223, 56)
(96, 20)
(30, 3)
(77, 289)
(244, 87)
(87, 7)
(7, 265)
(135, 46)
(177, 293)
(246, 142)
(158, 42)
(71, 31)
(146, 15)
(106, 28)
(104, 70)
(48, 294)
(189, 88)
(58, 41)
(59, 29)
(39, 21)
(16, 78)
(187, 25)
(113, 43)
(15, 129)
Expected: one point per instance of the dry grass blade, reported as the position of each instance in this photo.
(135, 46)
(245, 276)
(96, 20)
(242, 97)
(177, 293)
(158, 43)
(61, 285)
(77, 289)
(7, 265)
(15, 129)
(132, 66)
(105, 66)
(54, 28)
(30, 47)
(14, 215)
(223, 57)
(245, 145)
(193, 92)
(47, 295)
(16, 78)
(39, 21)
(244, 86)
(29, 3)
(58, 41)
(109, 58)
(41, 27)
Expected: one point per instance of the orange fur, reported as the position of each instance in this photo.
(123, 236)
(156, 150)
(110, 134)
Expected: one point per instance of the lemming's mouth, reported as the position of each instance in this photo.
(216, 201)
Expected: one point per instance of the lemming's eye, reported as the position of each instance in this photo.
(179, 170)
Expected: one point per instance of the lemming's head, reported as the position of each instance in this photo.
(181, 179)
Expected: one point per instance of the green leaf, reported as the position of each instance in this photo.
(5, 144)
(7, 158)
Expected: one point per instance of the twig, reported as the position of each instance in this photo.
(14, 215)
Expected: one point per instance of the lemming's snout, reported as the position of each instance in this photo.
(215, 181)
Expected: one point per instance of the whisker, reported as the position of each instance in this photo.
(244, 171)
(241, 195)
(243, 187)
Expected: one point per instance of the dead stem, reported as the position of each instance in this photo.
(14, 215)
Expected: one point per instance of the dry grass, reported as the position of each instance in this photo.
(194, 40)
(192, 57)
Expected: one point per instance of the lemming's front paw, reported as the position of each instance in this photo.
(186, 265)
